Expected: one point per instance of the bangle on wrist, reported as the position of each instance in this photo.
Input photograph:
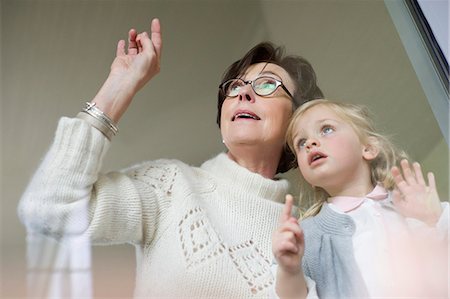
(98, 120)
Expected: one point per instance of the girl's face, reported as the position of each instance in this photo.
(329, 152)
(250, 119)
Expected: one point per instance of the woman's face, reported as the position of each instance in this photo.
(250, 119)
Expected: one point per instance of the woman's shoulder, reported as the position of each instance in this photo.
(150, 165)
(160, 170)
(168, 173)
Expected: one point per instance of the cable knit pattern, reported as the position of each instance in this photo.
(199, 232)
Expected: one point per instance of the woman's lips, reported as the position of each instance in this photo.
(245, 114)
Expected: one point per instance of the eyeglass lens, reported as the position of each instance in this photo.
(262, 86)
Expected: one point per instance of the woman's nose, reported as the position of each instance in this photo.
(246, 94)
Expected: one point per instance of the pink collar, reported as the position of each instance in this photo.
(348, 203)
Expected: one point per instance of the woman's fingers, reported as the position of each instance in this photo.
(120, 48)
(141, 42)
(156, 37)
(132, 44)
(144, 42)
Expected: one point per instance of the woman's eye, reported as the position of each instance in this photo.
(265, 85)
(234, 86)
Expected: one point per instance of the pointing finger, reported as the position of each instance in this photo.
(287, 209)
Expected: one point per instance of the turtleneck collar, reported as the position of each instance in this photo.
(228, 171)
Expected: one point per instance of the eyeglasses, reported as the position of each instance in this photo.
(262, 86)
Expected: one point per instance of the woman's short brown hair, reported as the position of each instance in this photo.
(298, 68)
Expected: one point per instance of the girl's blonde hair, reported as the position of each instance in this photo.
(358, 117)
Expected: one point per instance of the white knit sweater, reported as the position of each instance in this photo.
(198, 231)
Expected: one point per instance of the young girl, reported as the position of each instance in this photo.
(371, 230)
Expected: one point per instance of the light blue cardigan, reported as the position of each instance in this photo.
(329, 259)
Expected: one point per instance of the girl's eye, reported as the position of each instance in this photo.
(301, 143)
(327, 130)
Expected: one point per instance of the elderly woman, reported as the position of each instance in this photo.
(199, 231)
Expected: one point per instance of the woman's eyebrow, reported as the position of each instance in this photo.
(269, 73)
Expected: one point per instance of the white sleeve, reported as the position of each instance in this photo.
(68, 195)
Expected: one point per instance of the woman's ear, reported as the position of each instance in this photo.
(371, 148)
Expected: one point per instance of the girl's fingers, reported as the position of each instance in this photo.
(407, 173)
(289, 237)
(418, 173)
(287, 246)
(290, 227)
(398, 178)
(287, 208)
(397, 198)
(431, 181)
(395, 171)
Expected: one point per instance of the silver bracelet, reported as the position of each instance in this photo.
(98, 119)
(91, 109)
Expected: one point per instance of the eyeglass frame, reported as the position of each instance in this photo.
(246, 82)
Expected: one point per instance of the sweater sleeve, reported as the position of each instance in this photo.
(68, 196)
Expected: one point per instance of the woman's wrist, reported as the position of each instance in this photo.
(115, 96)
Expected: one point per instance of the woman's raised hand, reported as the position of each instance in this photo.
(141, 60)
(413, 197)
(132, 68)
(288, 243)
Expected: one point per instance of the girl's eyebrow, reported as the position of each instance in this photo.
(297, 134)
(320, 121)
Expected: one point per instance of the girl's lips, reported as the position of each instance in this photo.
(245, 114)
(315, 156)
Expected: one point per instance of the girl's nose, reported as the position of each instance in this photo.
(310, 143)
